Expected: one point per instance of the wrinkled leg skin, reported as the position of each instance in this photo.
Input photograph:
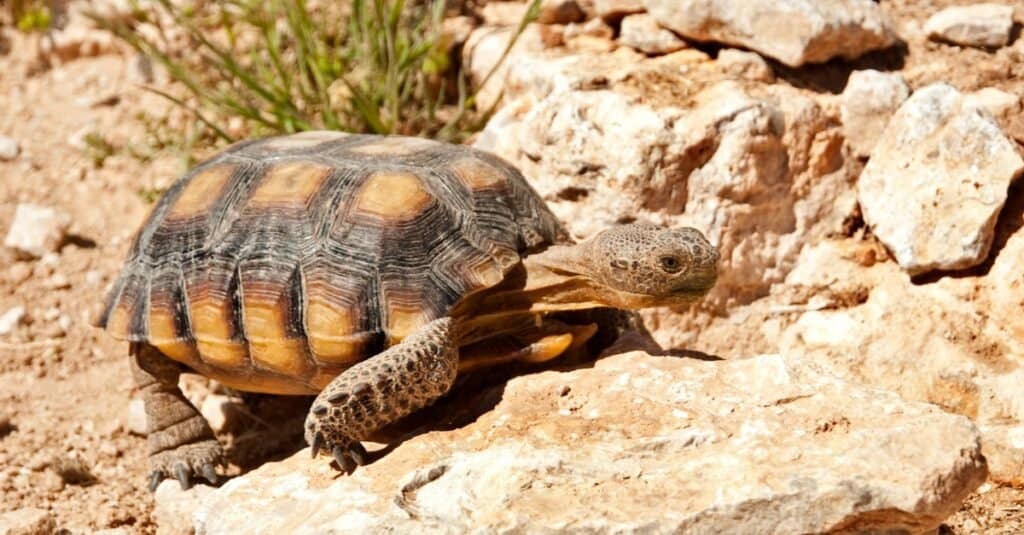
(181, 443)
(402, 379)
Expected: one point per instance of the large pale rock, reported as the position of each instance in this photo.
(938, 343)
(791, 32)
(979, 25)
(870, 98)
(603, 139)
(483, 52)
(36, 230)
(643, 33)
(937, 180)
(639, 443)
(614, 9)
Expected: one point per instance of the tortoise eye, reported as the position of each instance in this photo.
(670, 264)
(619, 263)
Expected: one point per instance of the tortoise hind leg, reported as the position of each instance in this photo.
(180, 441)
(377, 391)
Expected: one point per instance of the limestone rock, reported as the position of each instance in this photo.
(616, 9)
(938, 343)
(869, 100)
(9, 148)
(174, 507)
(643, 33)
(760, 170)
(36, 230)
(483, 51)
(560, 12)
(744, 64)
(639, 443)
(979, 25)
(28, 521)
(937, 180)
(791, 32)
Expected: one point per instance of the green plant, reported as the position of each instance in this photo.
(29, 15)
(377, 66)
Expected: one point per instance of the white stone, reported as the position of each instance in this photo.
(135, 417)
(36, 230)
(9, 148)
(643, 33)
(11, 319)
(27, 521)
(174, 507)
(978, 25)
(870, 98)
(745, 64)
(937, 180)
(615, 9)
(559, 12)
(763, 445)
(791, 32)
(996, 102)
(221, 412)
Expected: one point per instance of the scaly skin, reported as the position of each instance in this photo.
(181, 443)
(377, 391)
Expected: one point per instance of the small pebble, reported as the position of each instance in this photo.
(9, 148)
(11, 319)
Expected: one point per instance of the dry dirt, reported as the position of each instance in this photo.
(65, 387)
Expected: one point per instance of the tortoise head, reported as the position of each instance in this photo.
(639, 265)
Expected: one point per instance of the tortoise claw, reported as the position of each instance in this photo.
(341, 457)
(210, 473)
(358, 453)
(317, 445)
(155, 477)
(181, 472)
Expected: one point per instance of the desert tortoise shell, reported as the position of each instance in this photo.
(280, 262)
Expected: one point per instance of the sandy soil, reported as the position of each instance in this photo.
(65, 387)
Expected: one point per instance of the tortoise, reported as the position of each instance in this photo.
(368, 271)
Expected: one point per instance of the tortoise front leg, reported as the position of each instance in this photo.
(375, 392)
(181, 443)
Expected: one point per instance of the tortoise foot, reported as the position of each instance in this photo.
(377, 391)
(186, 463)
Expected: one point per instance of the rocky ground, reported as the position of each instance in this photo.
(868, 312)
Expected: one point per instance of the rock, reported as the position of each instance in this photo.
(616, 9)
(978, 25)
(759, 169)
(483, 51)
(36, 230)
(9, 149)
(941, 343)
(78, 40)
(174, 507)
(11, 319)
(745, 64)
(592, 28)
(997, 103)
(135, 418)
(643, 33)
(868, 101)
(503, 13)
(27, 521)
(794, 33)
(560, 12)
(221, 412)
(640, 443)
(936, 153)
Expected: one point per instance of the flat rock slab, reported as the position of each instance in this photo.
(794, 33)
(937, 180)
(639, 443)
